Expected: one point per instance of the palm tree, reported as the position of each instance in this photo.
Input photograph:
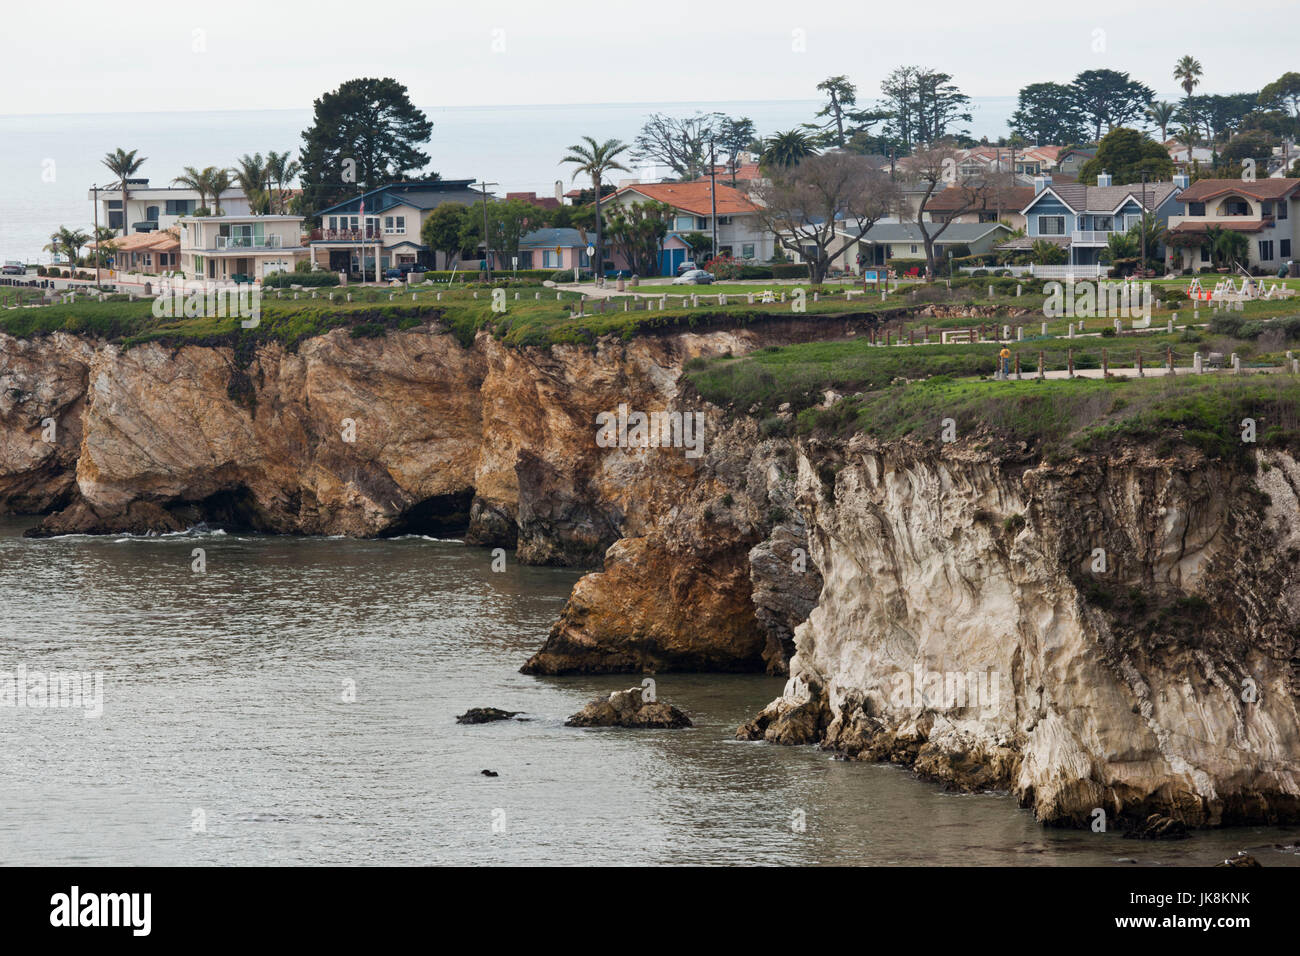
(1187, 71)
(105, 247)
(1047, 253)
(281, 170)
(786, 149)
(1162, 114)
(195, 179)
(254, 178)
(1233, 247)
(123, 165)
(595, 160)
(1122, 245)
(1147, 227)
(71, 241)
(218, 182)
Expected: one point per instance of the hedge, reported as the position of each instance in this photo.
(788, 270)
(308, 280)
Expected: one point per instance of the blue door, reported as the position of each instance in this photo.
(669, 260)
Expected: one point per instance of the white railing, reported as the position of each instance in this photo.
(249, 242)
(1067, 272)
(1091, 236)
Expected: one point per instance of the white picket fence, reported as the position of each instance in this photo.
(1068, 272)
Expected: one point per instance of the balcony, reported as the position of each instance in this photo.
(345, 235)
(1090, 237)
(226, 243)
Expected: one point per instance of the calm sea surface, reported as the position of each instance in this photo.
(224, 706)
(48, 163)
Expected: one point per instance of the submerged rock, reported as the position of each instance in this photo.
(485, 715)
(629, 708)
(1241, 859)
(1159, 827)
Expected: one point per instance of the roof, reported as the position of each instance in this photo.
(694, 197)
(1242, 225)
(546, 202)
(1013, 200)
(422, 194)
(548, 238)
(249, 218)
(1081, 198)
(160, 240)
(1262, 189)
(908, 232)
(1027, 242)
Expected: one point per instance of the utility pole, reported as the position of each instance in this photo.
(713, 194)
(95, 192)
(487, 244)
(1142, 222)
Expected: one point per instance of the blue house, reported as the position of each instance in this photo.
(1081, 219)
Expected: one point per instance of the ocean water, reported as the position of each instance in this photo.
(48, 163)
(295, 703)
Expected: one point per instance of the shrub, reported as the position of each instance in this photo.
(790, 270)
(979, 273)
(282, 280)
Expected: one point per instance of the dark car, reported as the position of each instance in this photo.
(400, 272)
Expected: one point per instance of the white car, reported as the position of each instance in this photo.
(12, 268)
(694, 277)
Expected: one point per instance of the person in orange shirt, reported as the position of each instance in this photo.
(1005, 355)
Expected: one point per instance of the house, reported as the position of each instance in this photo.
(553, 249)
(1185, 156)
(385, 222)
(149, 209)
(885, 241)
(1265, 210)
(239, 248)
(543, 202)
(741, 234)
(997, 205)
(1022, 160)
(1081, 219)
(147, 253)
(1070, 161)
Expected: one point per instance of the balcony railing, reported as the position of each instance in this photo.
(249, 242)
(1091, 236)
(346, 235)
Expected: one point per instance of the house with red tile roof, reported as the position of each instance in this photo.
(148, 253)
(1265, 210)
(740, 232)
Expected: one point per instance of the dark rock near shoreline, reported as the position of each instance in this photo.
(1241, 859)
(627, 708)
(486, 715)
(1159, 827)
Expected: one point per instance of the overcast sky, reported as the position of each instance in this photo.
(269, 54)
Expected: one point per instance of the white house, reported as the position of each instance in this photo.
(149, 209)
(240, 248)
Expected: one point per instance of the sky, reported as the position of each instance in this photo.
(79, 57)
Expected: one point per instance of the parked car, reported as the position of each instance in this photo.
(12, 268)
(694, 277)
(400, 272)
(687, 266)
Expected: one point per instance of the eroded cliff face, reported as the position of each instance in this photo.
(1115, 633)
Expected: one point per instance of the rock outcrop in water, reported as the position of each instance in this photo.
(629, 708)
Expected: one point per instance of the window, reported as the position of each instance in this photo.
(148, 260)
(1281, 208)
(724, 220)
(684, 223)
(1236, 207)
(1265, 250)
(178, 207)
(551, 259)
(1196, 209)
(1284, 248)
(913, 250)
(1266, 209)
(1103, 223)
(394, 225)
(1049, 226)
(701, 222)
(747, 251)
(151, 213)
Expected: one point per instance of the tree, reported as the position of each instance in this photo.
(196, 179)
(281, 170)
(366, 132)
(1109, 97)
(636, 232)
(1254, 144)
(70, 242)
(1232, 248)
(1044, 252)
(783, 150)
(1283, 93)
(251, 174)
(923, 104)
(1147, 234)
(1187, 71)
(508, 220)
(819, 207)
(734, 137)
(932, 167)
(1162, 114)
(1122, 245)
(700, 243)
(123, 165)
(444, 229)
(1125, 154)
(594, 159)
(105, 246)
(681, 144)
(1047, 113)
(843, 122)
(219, 181)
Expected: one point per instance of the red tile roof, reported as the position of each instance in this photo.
(164, 240)
(694, 197)
(1243, 225)
(1261, 189)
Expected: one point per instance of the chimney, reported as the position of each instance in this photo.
(1103, 179)
(1182, 181)
(1041, 182)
